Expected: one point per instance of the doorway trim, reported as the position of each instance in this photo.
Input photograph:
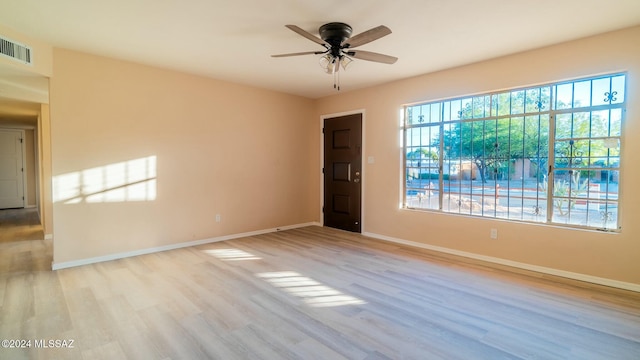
(23, 149)
(362, 158)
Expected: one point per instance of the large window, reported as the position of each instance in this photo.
(547, 154)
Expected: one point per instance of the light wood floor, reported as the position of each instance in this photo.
(20, 225)
(311, 293)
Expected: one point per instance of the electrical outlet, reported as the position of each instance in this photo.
(218, 217)
(494, 233)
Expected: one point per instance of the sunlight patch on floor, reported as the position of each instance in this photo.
(312, 292)
(231, 254)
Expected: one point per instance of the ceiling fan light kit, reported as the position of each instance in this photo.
(328, 63)
(336, 39)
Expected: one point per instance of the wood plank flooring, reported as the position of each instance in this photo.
(310, 293)
(20, 225)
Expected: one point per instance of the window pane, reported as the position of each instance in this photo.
(422, 164)
(423, 115)
(584, 198)
(566, 187)
(600, 123)
(564, 96)
(493, 105)
(616, 122)
(446, 111)
(436, 113)
(601, 90)
(495, 161)
(571, 153)
(582, 94)
(517, 102)
(545, 98)
(478, 107)
(536, 143)
(599, 148)
(456, 109)
(466, 109)
(581, 124)
(418, 114)
(504, 104)
(563, 126)
(533, 100)
(617, 86)
(409, 116)
(424, 198)
(413, 137)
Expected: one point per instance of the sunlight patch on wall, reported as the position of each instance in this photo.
(231, 254)
(310, 291)
(133, 180)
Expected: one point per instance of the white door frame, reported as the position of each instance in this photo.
(23, 161)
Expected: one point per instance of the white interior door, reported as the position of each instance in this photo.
(11, 169)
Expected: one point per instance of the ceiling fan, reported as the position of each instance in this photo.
(338, 46)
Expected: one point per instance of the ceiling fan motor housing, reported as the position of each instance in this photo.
(335, 33)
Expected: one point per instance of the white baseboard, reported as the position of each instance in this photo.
(48, 236)
(515, 264)
(93, 260)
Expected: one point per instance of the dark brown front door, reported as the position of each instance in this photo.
(343, 172)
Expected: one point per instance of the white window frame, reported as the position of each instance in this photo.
(425, 159)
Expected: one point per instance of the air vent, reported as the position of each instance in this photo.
(16, 51)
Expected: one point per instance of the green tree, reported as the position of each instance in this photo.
(495, 139)
(422, 153)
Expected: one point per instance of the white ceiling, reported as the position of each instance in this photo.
(233, 40)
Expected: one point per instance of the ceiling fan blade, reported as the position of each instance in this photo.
(367, 36)
(371, 56)
(306, 34)
(299, 53)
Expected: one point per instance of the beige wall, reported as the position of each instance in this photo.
(219, 148)
(45, 206)
(608, 256)
(30, 160)
(41, 53)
